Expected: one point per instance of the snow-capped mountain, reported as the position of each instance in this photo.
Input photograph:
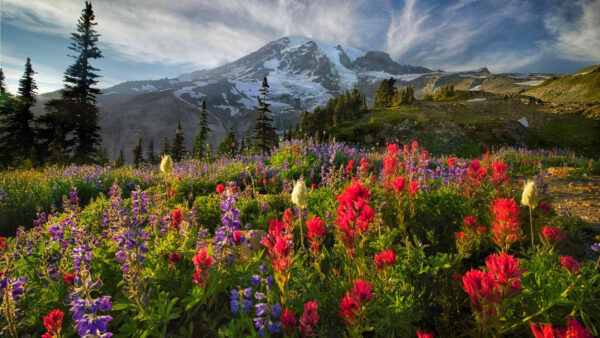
(302, 73)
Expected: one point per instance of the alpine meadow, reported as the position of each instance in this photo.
(300, 168)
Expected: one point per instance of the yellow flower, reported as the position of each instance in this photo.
(166, 165)
(299, 194)
(530, 195)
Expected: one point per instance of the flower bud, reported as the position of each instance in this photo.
(530, 195)
(299, 196)
(166, 165)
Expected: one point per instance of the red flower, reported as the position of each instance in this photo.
(364, 163)
(288, 320)
(47, 335)
(53, 321)
(470, 222)
(413, 187)
(354, 213)
(174, 258)
(451, 161)
(424, 334)
(313, 186)
(350, 167)
(309, 319)
(68, 278)
(288, 219)
(176, 216)
(279, 244)
(552, 235)
(393, 151)
(385, 258)
(315, 232)
(499, 172)
(574, 330)
(2, 243)
(238, 237)
(481, 229)
(460, 236)
(399, 184)
(171, 192)
(570, 264)
(545, 331)
(349, 307)
(506, 226)
(505, 270)
(545, 207)
(220, 188)
(481, 286)
(362, 290)
(389, 166)
(476, 172)
(202, 262)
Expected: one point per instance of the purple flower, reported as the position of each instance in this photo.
(596, 247)
(255, 280)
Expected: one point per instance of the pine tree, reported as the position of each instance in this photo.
(166, 148)
(103, 158)
(76, 112)
(2, 87)
(17, 135)
(178, 149)
(150, 155)
(265, 135)
(385, 93)
(120, 160)
(228, 146)
(138, 156)
(199, 149)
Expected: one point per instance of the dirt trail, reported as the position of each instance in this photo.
(579, 197)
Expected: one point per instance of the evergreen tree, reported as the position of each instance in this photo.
(405, 96)
(166, 148)
(228, 146)
(265, 135)
(17, 136)
(76, 112)
(178, 149)
(138, 156)
(120, 160)
(150, 155)
(200, 140)
(385, 93)
(2, 87)
(103, 158)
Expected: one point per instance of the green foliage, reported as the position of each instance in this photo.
(385, 94)
(178, 149)
(265, 135)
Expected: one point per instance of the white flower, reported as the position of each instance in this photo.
(299, 196)
(166, 165)
(530, 195)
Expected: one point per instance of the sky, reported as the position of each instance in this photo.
(152, 39)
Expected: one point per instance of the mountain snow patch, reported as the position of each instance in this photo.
(523, 121)
(478, 99)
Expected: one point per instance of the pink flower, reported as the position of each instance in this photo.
(574, 330)
(393, 151)
(424, 334)
(545, 206)
(362, 290)
(545, 331)
(309, 319)
(499, 172)
(552, 235)
(354, 214)
(570, 264)
(238, 237)
(470, 222)
(315, 232)
(174, 258)
(481, 286)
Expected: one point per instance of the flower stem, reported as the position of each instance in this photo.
(531, 225)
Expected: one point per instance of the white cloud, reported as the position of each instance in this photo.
(579, 40)
(196, 33)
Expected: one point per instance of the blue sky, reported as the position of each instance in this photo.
(151, 39)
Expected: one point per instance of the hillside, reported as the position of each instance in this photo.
(474, 122)
(581, 86)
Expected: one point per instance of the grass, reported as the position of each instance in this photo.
(581, 86)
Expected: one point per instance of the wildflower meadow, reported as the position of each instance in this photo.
(322, 240)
